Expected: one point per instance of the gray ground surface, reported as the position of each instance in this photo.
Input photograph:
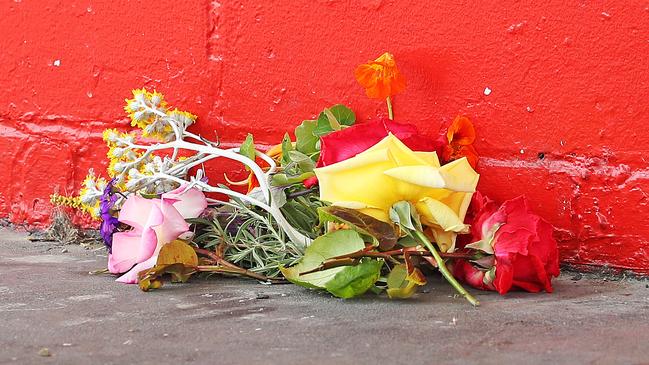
(48, 300)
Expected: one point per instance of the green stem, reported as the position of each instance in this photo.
(388, 100)
(444, 270)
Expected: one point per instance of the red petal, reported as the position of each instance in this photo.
(347, 143)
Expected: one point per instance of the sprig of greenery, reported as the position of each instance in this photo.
(247, 237)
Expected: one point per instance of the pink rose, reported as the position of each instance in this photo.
(155, 222)
(520, 251)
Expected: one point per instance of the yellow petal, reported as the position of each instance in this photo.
(400, 153)
(375, 212)
(431, 158)
(459, 176)
(445, 240)
(426, 176)
(434, 212)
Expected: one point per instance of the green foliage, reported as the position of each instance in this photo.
(248, 237)
(402, 284)
(353, 281)
(248, 148)
(333, 119)
(301, 212)
(305, 141)
(286, 180)
(287, 146)
(342, 281)
(404, 214)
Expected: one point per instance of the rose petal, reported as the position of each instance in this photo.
(346, 143)
(126, 250)
(135, 211)
(173, 226)
(131, 276)
(190, 203)
(434, 212)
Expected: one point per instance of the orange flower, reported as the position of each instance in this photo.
(460, 135)
(380, 78)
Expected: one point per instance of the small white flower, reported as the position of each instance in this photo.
(134, 174)
(130, 155)
(156, 99)
(118, 152)
(140, 115)
(119, 167)
(140, 98)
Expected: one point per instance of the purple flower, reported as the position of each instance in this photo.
(108, 221)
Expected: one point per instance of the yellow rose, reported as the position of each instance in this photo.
(389, 172)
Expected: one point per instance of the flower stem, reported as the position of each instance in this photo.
(227, 267)
(388, 100)
(444, 270)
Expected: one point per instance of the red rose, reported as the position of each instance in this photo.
(349, 142)
(520, 250)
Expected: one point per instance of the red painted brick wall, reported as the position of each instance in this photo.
(569, 82)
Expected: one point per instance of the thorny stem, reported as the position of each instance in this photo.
(444, 270)
(389, 255)
(352, 258)
(388, 100)
(225, 266)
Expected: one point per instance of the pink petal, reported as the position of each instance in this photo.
(126, 250)
(190, 203)
(149, 241)
(173, 224)
(135, 211)
(131, 276)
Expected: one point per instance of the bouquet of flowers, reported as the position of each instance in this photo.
(342, 206)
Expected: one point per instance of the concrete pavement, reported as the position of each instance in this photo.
(49, 301)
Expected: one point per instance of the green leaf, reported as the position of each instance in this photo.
(355, 280)
(402, 284)
(304, 162)
(287, 146)
(400, 214)
(343, 114)
(381, 232)
(248, 148)
(305, 141)
(333, 244)
(408, 241)
(283, 179)
(333, 119)
(333, 122)
(403, 213)
(323, 127)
